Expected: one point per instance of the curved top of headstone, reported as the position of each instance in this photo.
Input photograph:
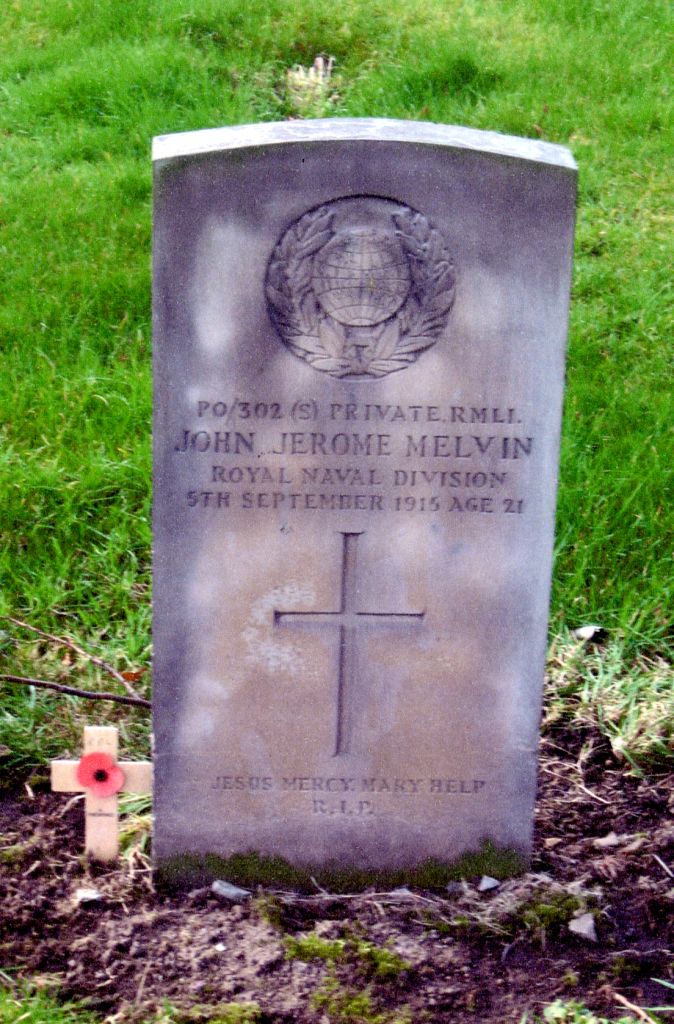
(368, 129)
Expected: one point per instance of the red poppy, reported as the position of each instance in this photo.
(100, 774)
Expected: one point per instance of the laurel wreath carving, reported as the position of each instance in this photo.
(313, 335)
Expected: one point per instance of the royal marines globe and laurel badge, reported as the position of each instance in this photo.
(360, 287)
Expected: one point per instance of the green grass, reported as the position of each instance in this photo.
(82, 91)
(31, 1006)
(561, 1012)
(630, 700)
(35, 1007)
(342, 1006)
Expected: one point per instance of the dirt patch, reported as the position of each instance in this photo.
(603, 857)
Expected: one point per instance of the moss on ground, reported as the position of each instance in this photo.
(252, 870)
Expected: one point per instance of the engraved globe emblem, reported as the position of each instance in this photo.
(361, 278)
(359, 287)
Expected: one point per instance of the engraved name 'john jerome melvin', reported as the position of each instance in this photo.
(360, 287)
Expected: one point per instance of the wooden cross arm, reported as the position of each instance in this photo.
(137, 777)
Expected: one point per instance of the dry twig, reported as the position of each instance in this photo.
(118, 698)
(641, 1014)
(573, 782)
(664, 867)
(63, 641)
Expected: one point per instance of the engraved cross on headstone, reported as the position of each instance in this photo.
(348, 619)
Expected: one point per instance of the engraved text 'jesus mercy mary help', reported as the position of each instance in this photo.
(359, 287)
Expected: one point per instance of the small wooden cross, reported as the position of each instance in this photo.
(101, 822)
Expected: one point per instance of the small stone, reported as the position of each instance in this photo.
(402, 890)
(87, 896)
(229, 892)
(605, 841)
(328, 929)
(590, 632)
(584, 926)
(487, 882)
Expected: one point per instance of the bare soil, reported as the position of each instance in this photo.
(604, 846)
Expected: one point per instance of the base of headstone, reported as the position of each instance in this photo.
(191, 871)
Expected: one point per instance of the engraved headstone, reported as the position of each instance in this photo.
(359, 353)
